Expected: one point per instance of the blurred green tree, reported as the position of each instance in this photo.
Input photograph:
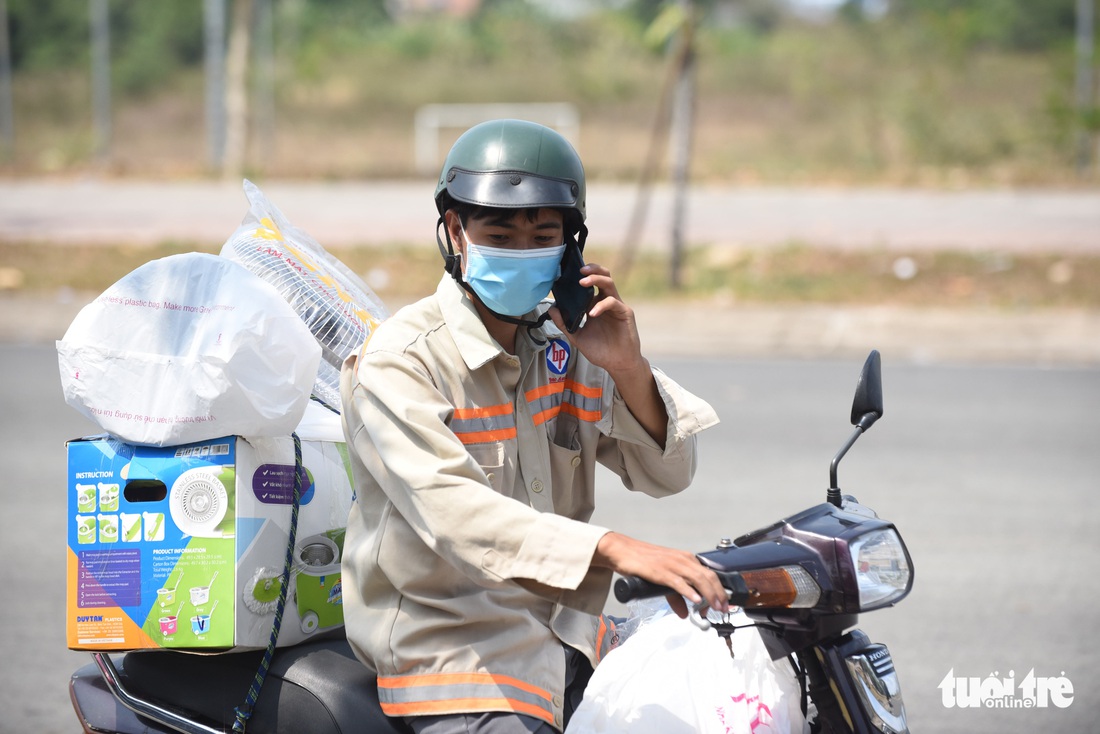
(1020, 25)
(149, 40)
(47, 33)
(152, 40)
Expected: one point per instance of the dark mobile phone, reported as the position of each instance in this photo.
(571, 298)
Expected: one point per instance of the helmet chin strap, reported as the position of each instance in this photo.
(452, 263)
(450, 260)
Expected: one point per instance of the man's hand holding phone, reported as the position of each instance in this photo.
(572, 299)
(609, 339)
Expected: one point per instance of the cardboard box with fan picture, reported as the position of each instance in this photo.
(185, 546)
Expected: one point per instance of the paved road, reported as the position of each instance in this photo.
(990, 472)
(384, 212)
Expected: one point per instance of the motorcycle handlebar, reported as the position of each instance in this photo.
(629, 588)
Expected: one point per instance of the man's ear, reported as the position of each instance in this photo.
(453, 224)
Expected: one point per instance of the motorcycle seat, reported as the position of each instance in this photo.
(317, 687)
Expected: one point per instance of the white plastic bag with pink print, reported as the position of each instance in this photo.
(669, 677)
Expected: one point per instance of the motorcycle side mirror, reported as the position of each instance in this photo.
(867, 405)
(866, 409)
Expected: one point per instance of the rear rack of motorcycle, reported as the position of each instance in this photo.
(145, 708)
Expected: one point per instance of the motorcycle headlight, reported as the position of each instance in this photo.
(882, 568)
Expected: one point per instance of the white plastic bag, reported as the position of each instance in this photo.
(340, 310)
(187, 348)
(669, 677)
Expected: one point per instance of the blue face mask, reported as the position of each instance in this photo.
(512, 282)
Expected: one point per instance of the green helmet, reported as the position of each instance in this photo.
(513, 164)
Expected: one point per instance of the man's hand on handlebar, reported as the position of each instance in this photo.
(678, 570)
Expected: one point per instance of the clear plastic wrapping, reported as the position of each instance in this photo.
(340, 310)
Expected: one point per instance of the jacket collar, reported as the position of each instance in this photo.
(469, 333)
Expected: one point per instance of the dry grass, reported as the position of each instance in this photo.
(789, 275)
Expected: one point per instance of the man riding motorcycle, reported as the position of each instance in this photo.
(473, 583)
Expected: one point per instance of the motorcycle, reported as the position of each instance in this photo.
(803, 581)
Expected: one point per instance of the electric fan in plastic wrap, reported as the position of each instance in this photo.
(338, 307)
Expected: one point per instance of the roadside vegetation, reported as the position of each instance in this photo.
(934, 93)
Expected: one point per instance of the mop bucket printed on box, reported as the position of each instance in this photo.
(108, 528)
(108, 497)
(318, 591)
(200, 595)
(200, 623)
(167, 596)
(85, 529)
(169, 625)
(85, 497)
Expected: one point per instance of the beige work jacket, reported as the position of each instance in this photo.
(466, 560)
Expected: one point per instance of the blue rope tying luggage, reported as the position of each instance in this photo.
(244, 713)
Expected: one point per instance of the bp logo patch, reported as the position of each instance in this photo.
(557, 356)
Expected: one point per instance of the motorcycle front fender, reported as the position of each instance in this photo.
(865, 682)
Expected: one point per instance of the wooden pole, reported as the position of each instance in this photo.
(264, 84)
(683, 124)
(101, 78)
(236, 90)
(214, 63)
(657, 143)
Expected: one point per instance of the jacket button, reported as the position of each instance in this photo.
(575, 462)
(536, 486)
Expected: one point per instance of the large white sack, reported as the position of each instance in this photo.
(187, 348)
